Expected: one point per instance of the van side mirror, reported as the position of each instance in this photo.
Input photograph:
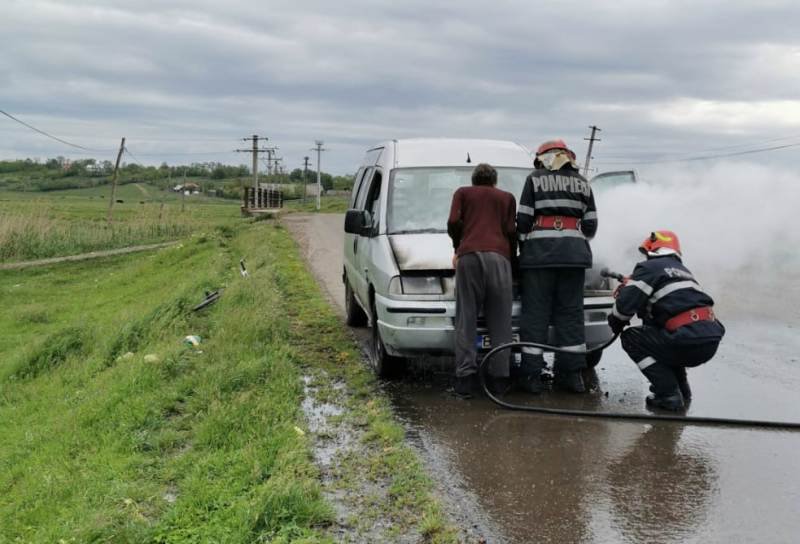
(357, 222)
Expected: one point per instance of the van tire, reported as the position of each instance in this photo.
(593, 359)
(384, 365)
(354, 314)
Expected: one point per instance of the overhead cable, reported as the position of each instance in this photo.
(705, 157)
(56, 138)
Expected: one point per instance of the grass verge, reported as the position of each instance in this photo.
(114, 430)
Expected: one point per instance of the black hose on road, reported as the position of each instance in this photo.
(696, 420)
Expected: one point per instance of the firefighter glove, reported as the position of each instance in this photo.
(616, 324)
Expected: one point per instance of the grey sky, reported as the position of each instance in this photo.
(659, 77)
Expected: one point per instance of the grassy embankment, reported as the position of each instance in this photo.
(329, 204)
(55, 223)
(101, 443)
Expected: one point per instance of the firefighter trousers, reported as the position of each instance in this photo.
(663, 359)
(552, 296)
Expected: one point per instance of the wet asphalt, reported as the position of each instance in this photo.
(554, 479)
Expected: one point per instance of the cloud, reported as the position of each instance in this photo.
(673, 75)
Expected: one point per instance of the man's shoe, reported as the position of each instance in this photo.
(672, 403)
(466, 386)
(572, 382)
(531, 384)
(498, 385)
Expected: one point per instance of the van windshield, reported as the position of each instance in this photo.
(419, 198)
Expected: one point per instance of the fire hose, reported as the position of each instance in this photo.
(695, 420)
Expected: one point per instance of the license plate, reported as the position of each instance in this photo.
(484, 342)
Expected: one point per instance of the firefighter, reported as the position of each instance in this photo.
(556, 218)
(679, 328)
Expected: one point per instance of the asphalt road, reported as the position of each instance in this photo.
(547, 479)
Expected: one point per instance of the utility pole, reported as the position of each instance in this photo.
(592, 140)
(305, 177)
(319, 149)
(114, 181)
(183, 191)
(255, 150)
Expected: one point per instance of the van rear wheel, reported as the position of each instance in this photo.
(383, 364)
(354, 314)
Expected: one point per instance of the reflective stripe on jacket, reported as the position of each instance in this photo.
(563, 193)
(661, 288)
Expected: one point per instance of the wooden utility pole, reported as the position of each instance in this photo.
(183, 191)
(592, 140)
(114, 181)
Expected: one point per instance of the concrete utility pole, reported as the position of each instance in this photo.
(269, 161)
(319, 149)
(592, 140)
(114, 181)
(183, 191)
(255, 150)
(305, 177)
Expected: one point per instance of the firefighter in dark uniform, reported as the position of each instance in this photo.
(556, 218)
(679, 327)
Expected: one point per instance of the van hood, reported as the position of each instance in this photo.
(423, 251)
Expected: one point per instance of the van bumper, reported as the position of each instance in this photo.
(414, 327)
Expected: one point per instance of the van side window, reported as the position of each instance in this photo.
(358, 181)
(373, 197)
(358, 201)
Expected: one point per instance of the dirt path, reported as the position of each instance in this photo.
(83, 256)
(144, 190)
(320, 237)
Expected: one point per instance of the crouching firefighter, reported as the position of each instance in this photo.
(556, 218)
(679, 327)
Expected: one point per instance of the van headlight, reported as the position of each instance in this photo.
(416, 285)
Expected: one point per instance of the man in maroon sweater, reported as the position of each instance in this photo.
(482, 224)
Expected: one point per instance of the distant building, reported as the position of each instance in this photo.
(187, 188)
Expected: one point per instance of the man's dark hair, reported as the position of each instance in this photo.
(484, 174)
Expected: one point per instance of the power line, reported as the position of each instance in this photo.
(708, 157)
(168, 154)
(56, 138)
(654, 149)
(137, 161)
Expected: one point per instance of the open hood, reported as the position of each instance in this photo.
(424, 251)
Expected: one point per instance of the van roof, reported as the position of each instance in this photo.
(421, 152)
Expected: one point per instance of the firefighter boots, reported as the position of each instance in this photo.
(672, 402)
(569, 381)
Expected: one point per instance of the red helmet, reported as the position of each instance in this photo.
(661, 242)
(554, 144)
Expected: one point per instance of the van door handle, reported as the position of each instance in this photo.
(355, 244)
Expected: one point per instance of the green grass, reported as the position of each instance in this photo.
(75, 221)
(114, 430)
(329, 204)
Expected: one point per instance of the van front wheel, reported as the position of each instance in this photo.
(384, 365)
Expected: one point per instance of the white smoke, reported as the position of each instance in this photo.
(737, 223)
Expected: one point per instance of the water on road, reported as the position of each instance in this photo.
(555, 479)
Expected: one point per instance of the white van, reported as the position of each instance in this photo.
(398, 275)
